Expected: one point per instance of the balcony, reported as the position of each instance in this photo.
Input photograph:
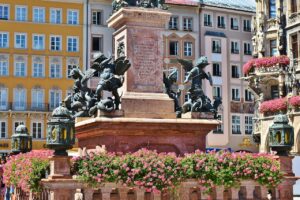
(21, 106)
(294, 19)
(272, 24)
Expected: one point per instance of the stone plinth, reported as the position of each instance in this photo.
(59, 167)
(140, 30)
(131, 134)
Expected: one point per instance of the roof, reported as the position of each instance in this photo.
(245, 5)
(216, 34)
(183, 2)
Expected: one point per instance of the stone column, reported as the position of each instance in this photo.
(156, 195)
(140, 193)
(220, 192)
(106, 191)
(123, 192)
(235, 193)
(185, 189)
(250, 187)
(140, 32)
(264, 192)
(88, 193)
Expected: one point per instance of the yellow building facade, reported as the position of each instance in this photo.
(40, 41)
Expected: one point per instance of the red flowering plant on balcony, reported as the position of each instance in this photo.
(274, 106)
(265, 63)
(295, 101)
(26, 170)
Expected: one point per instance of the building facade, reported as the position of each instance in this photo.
(40, 42)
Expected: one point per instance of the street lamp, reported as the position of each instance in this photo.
(21, 141)
(281, 135)
(61, 131)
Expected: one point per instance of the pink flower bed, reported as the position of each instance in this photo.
(265, 62)
(294, 101)
(274, 105)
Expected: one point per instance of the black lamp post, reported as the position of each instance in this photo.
(61, 131)
(21, 141)
(281, 135)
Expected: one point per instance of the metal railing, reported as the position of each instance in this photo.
(21, 106)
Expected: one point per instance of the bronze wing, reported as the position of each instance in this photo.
(121, 65)
(186, 64)
(87, 75)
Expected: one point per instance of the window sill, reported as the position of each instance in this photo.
(236, 100)
(216, 52)
(236, 133)
(222, 27)
(218, 132)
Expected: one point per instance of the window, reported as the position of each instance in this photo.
(55, 43)
(173, 48)
(19, 99)
(187, 24)
(3, 98)
(97, 43)
(55, 68)
(295, 48)
(272, 8)
(247, 48)
(97, 17)
(188, 48)
(207, 20)
(294, 5)
(55, 98)
(235, 72)
(21, 13)
(38, 42)
(173, 23)
(234, 23)
(71, 63)
(72, 44)
(20, 68)
(39, 15)
(216, 46)
(248, 125)
(274, 92)
(221, 22)
(217, 69)
(236, 124)
(217, 91)
(248, 95)
(17, 123)
(73, 17)
(37, 99)
(4, 40)
(235, 47)
(36, 130)
(4, 12)
(55, 16)
(3, 66)
(38, 66)
(273, 47)
(20, 40)
(247, 25)
(3, 129)
(235, 93)
(219, 129)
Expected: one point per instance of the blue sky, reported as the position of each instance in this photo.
(296, 169)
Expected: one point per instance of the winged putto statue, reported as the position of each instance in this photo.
(84, 101)
(198, 101)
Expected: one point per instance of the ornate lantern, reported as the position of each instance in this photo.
(61, 131)
(21, 141)
(281, 135)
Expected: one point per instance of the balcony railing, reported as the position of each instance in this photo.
(17, 106)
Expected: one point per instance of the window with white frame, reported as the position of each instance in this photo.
(273, 47)
(73, 17)
(3, 65)
(37, 99)
(248, 95)
(217, 71)
(19, 99)
(4, 12)
(97, 17)
(20, 66)
(55, 98)
(37, 130)
(21, 40)
(55, 16)
(55, 43)
(173, 23)
(247, 48)
(235, 49)
(236, 124)
(71, 63)
(72, 44)
(207, 19)
(235, 94)
(3, 98)
(173, 48)
(219, 129)
(247, 25)
(21, 13)
(38, 66)
(3, 129)
(248, 125)
(39, 14)
(216, 46)
(234, 23)
(188, 23)
(221, 22)
(4, 40)
(18, 123)
(188, 48)
(38, 42)
(55, 68)
(235, 71)
(217, 91)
